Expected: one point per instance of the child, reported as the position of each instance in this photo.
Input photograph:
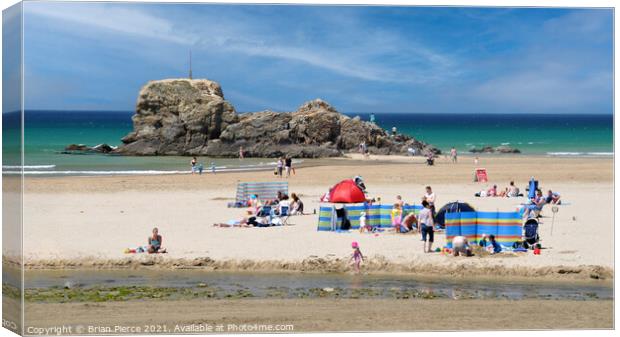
(363, 225)
(491, 245)
(213, 167)
(357, 256)
(397, 217)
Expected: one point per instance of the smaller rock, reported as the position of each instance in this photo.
(498, 149)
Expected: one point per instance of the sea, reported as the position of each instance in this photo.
(46, 133)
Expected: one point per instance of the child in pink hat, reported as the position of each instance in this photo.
(357, 256)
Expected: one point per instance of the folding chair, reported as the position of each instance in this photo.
(285, 214)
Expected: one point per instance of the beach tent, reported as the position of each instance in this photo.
(346, 192)
(451, 207)
(376, 215)
(263, 190)
(506, 226)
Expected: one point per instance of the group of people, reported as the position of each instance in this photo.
(198, 167)
(462, 247)
(536, 203)
(284, 165)
(267, 213)
(512, 191)
(424, 222)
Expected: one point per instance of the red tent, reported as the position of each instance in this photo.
(347, 192)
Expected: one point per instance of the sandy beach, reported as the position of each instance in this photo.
(87, 222)
(326, 315)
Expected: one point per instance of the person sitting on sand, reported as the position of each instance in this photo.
(553, 198)
(490, 244)
(492, 192)
(513, 191)
(503, 193)
(281, 196)
(410, 222)
(154, 242)
(297, 206)
(460, 246)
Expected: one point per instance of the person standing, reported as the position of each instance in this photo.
(453, 155)
(279, 167)
(426, 223)
(288, 164)
(240, 152)
(430, 197)
(194, 162)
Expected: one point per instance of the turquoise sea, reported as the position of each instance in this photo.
(46, 133)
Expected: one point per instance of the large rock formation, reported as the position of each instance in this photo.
(178, 117)
(191, 117)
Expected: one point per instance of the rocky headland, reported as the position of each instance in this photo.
(191, 117)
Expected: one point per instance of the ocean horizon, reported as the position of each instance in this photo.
(47, 132)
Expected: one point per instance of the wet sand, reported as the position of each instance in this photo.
(308, 315)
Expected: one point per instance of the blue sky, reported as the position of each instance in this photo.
(96, 56)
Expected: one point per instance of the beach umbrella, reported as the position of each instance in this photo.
(346, 192)
(452, 207)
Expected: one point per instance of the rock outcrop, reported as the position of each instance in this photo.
(191, 117)
(83, 149)
(178, 117)
(498, 149)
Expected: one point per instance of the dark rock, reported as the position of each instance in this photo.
(191, 117)
(498, 149)
(83, 149)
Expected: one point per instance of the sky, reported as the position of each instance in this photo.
(96, 56)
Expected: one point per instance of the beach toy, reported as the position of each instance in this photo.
(354, 244)
(127, 251)
(537, 251)
(437, 250)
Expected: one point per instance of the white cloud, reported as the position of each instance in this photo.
(113, 18)
(243, 35)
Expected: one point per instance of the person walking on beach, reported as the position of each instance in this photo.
(425, 224)
(288, 164)
(279, 167)
(453, 155)
(357, 257)
(240, 152)
(194, 162)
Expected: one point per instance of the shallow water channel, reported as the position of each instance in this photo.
(199, 283)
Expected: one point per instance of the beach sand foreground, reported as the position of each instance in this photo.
(328, 315)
